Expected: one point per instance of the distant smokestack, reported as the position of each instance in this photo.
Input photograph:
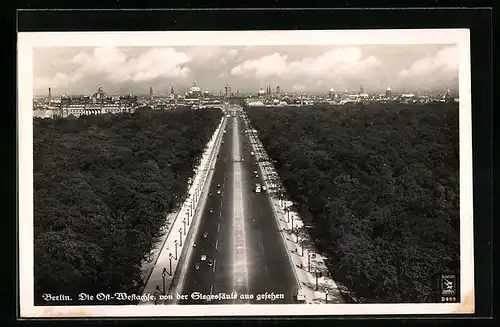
(50, 96)
(151, 93)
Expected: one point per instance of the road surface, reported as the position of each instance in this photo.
(242, 238)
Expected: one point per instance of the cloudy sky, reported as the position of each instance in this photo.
(405, 68)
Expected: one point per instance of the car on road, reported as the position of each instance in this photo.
(218, 191)
(264, 188)
(300, 297)
(252, 153)
(210, 263)
(218, 185)
(203, 257)
(197, 266)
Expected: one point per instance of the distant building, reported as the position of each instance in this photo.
(388, 93)
(255, 103)
(331, 94)
(194, 95)
(98, 103)
(44, 113)
(194, 91)
(448, 97)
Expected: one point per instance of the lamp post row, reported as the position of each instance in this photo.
(182, 231)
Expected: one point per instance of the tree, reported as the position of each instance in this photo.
(379, 187)
(102, 188)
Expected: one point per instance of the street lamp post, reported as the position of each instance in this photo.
(175, 242)
(308, 262)
(187, 219)
(184, 222)
(302, 246)
(292, 222)
(180, 236)
(163, 275)
(158, 289)
(326, 295)
(317, 273)
(170, 260)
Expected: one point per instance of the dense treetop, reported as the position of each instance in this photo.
(379, 183)
(102, 187)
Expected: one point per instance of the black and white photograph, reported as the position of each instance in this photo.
(245, 173)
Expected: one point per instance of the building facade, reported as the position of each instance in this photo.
(97, 104)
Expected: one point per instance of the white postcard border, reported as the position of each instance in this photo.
(29, 40)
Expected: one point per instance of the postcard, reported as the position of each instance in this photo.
(238, 173)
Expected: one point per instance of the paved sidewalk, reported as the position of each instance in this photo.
(310, 269)
(147, 265)
(162, 268)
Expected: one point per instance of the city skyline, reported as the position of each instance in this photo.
(309, 69)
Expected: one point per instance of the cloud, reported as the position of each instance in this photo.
(298, 87)
(343, 62)
(271, 65)
(112, 65)
(444, 62)
(232, 53)
(57, 81)
(431, 72)
(203, 54)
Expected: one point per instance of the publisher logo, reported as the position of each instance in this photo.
(448, 285)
